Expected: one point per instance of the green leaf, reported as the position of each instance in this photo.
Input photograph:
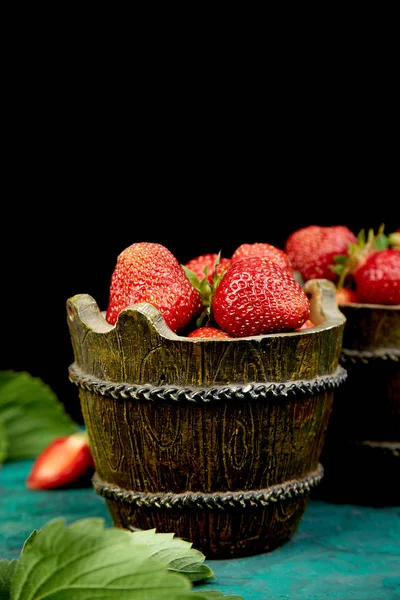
(340, 259)
(177, 554)
(85, 559)
(29, 540)
(7, 568)
(31, 414)
(381, 242)
(3, 442)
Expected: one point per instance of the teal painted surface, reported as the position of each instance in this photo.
(339, 551)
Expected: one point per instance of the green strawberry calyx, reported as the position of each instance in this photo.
(394, 240)
(206, 290)
(345, 265)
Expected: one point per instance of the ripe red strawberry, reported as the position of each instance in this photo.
(345, 295)
(312, 249)
(149, 272)
(256, 296)
(306, 325)
(199, 263)
(65, 460)
(371, 268)
(377, 279)
(208, 332)
(273, 253)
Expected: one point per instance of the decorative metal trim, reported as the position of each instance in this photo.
(251, 391)
(366, 356)
(294, 488)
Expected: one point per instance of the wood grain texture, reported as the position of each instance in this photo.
(248, 442)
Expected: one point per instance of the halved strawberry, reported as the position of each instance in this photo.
(65, 460)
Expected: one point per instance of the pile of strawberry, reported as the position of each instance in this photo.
(255, 291)
(365, 268)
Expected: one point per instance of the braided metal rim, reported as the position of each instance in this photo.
(294, 488)
(252, 391)
(366, 356)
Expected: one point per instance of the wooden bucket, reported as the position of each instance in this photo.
(217, 441)
(361, 456)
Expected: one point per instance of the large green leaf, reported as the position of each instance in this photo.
(31, 414)
(84, 560)
(7, 568)
(177, 554)
(3, 442)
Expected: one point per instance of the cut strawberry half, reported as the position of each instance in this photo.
(65, 460)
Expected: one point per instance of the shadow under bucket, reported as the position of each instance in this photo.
(217, 441)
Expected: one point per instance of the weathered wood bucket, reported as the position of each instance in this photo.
(361, 455)
(217, 441)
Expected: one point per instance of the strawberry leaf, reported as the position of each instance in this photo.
(3, 442)
(85, 559)
(340, 259)
(340, 263)
(381, 242)
(177, 554)
(7, 568)
(361, 238)
(31, 415)
(29, 539)
(202, 286)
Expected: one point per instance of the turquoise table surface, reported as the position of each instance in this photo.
(338, 551)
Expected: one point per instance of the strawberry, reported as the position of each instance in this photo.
(257, 296)
(371, 268)
(345, 295)
(312, 249)
(208, 332)
(207, 261)
(149, 272)
(377, 279)
(65, 460)
(273, 253)
(306, 325)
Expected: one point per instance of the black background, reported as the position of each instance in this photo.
(198, 151)
(56, 250)
(92, 164)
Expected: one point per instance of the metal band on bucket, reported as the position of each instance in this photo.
(251, 391)
(294, 488)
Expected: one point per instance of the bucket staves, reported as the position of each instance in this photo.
(217, 441)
